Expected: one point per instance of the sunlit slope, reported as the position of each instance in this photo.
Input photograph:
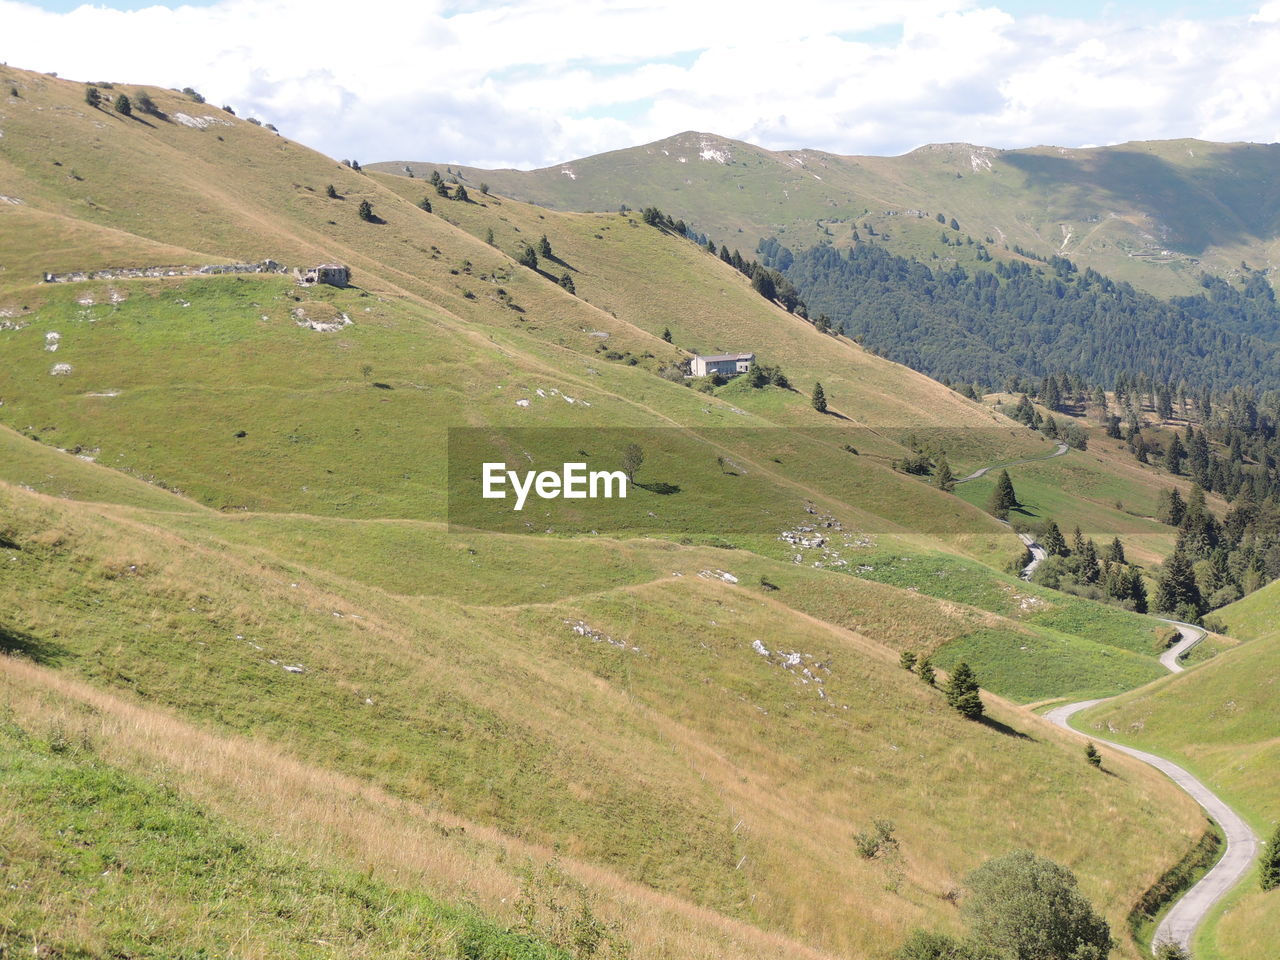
(659, 705)
(1221, 721)
(657, 282)
(1154, 213)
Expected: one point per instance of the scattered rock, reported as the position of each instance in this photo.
(60, 370)
(51, 341)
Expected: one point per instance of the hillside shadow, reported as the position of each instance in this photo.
(16, 643)
(1232, 198)
(660, 488)
(992, 724)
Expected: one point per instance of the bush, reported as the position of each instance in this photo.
(1026, 907)
(366, 212)
(923, 945)
(123, 106)
(193, 95)
(142, 100)
(879, 837)
(92, 97)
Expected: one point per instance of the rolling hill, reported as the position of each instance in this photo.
(1153, 213)
(238, 602)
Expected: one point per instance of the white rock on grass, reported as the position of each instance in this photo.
(60, 370)
(51, 341)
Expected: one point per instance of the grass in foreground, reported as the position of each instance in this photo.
(98, 862)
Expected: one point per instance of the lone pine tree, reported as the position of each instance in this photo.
(819, 398)
(1003, 499)
(962, 692)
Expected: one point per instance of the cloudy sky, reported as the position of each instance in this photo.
(534, 83)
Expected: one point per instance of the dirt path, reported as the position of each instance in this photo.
(983, 471)
(1180, 923)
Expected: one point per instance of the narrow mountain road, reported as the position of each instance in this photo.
(982, 472)
(1191, 635)
(1180, 923)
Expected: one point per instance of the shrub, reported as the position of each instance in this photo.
(924, 945)
(193, 95)
(526, 257)
(1026, 907)
(907, 661)
(92, 97)
(366, 211)
(1092, 755)
(331, 192)
(879, 837)
(123, 105)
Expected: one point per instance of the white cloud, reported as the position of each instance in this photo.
(530, 83)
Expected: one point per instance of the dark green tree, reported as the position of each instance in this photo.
(1177, 587)
(1137, 591)
(527, 257)
(93, 97)
(819, 399)
(426, 204)
(331, 192)
(962, 692)
(442, 189)
(124, 106)
(925, 671)
(488, 237)
(943, 478)
(461, 194)
(566, 281)
(1025, 907)
(1115, 552)
(366, 212)
(666, 334)
(1269, 875)
(1003, 498)
(1092, 755)
(544, 247)
(762, 283)
(1055, 545)
(907, 660)
(143, 102)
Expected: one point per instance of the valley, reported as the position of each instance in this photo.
(272, 684)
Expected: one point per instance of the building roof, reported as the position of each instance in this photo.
(727, 356)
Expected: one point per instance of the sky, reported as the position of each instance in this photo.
(537, 82)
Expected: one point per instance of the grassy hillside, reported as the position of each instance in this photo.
(228, 552)
(1220, 721)
(1153, 213)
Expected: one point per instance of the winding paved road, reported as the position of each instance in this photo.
(1180, 923)
(982, 472)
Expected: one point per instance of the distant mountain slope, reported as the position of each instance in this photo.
(1155, 213)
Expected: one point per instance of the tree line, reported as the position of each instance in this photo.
(1024, 320)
